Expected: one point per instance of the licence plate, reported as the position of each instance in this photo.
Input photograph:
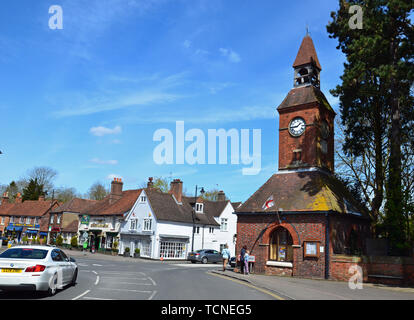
(11, 270)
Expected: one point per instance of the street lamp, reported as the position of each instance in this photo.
(193, 214)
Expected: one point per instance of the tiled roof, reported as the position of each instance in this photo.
(29, 208)
(106, 207)
(76, 205)
(307, 53)
(303, 191)
(305, 95)
(167, 209)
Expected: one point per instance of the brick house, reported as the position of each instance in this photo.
(303, 215)
(64, 220)
(26, 218)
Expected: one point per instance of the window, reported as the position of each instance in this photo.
(143, 199)
(197, 230)
(26, 253)
(172, 250)
(56, 256)
(280, 248)
(21, 220)
(223, 226)
(36, 220)
(51, 218)
(134, 224)
(211, 230)
(2, 220)
(58, 218)
(147, 225)
(199, 207)
(28, 220)
(11, 219)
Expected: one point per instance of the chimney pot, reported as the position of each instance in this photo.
(116, 190)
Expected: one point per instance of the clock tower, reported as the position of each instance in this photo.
(306, 119)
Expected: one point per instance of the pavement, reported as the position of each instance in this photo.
(293, 288)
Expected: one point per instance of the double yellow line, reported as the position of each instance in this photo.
(248, 285)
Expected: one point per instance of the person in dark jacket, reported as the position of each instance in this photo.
(242, 253)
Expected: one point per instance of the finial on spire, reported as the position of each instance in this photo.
(307, 29)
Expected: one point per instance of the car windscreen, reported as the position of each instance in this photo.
(24, 253)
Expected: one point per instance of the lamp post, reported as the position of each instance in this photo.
(193, 214)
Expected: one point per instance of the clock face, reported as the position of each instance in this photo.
(297, 126)
(324, 130)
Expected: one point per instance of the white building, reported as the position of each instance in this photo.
(161, 224)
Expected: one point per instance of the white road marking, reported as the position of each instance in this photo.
(152, 296)
(129, 278)
(82, 265)
(81, 295)
(97, 265)
(128, 290)
(94, 272)
(153, 282)
(93, 298)
(195, 265)
(97, 280)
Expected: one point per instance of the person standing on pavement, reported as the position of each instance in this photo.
(246, 262)
(226, 256)
(242, 253)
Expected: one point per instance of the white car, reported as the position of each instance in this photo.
(39, 268)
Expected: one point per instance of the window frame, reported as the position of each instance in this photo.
(275, 245)
(308, 243)
(147, 222)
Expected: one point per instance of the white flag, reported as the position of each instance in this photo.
(268, 203)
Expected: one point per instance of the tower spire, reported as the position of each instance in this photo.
(306, 65)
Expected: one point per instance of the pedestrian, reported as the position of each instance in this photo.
(242, 253)
(246, 262)
(226, 256)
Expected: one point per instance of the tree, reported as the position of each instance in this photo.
(33, 190)
(162, 184)
(65, 194)
(44, 175)
(375, 99)
(97, 191)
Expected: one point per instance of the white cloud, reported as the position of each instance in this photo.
(101, 131)
(113, 175)
(187, 44)
(99, 161)
(233, 56)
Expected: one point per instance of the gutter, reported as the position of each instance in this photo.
(327, 262)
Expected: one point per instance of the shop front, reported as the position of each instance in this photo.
(142, 241)
(14, 232)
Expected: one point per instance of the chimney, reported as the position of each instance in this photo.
(18, 198)
(221, 196)
(150, 184)
(116, 190)
(176, 188)
(41, 198)
(5, 198)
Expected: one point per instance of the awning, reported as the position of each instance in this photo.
(43, 233)
(174, 237)
(18, 228)
(31, 231)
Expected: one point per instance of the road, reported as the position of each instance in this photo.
(118, 278)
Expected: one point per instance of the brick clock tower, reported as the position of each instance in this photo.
(303, 216)
(306, 120)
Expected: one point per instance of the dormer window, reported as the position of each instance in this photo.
(199, 207)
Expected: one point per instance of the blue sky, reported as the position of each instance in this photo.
(87, 99)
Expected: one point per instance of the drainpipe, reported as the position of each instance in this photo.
(327, 245)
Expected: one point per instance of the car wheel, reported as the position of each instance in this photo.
(53, 285)
(75, 276)
(204, 260)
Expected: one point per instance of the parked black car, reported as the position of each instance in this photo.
(205, 256)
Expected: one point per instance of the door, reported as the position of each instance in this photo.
(61, 267)
(68, 268)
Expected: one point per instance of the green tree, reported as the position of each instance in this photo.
(375, 99)
(65, 194)
(33, 190)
